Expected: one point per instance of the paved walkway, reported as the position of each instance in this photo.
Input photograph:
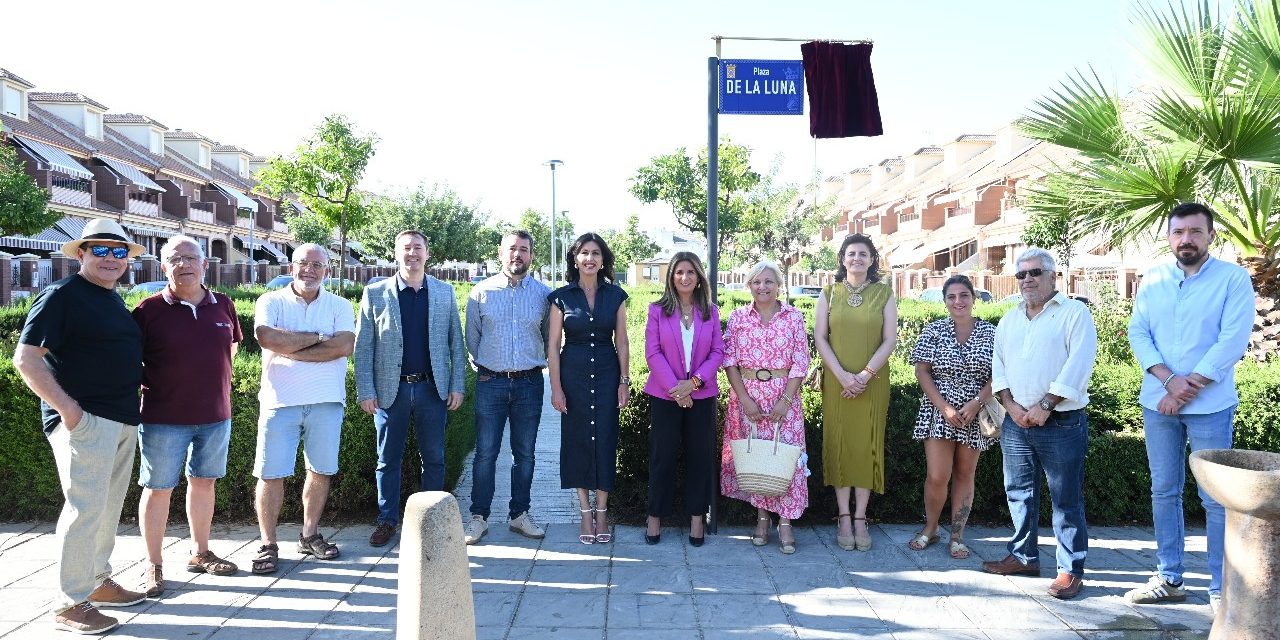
(526, 589)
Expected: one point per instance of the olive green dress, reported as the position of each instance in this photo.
(853, 428)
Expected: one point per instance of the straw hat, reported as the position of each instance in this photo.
(103, 229)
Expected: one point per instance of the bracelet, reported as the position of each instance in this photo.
(697, 382)
(869, 371)
(1165, 384)
(790, 399)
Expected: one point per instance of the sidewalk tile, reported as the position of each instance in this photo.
(731, 610)
(651, 579)
(567, 578)
(552, 610)
(722, 580)
(843, 610)
(650, 611)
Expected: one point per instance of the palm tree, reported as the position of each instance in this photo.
(1207, 129)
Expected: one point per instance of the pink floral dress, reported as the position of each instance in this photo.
(781, 344)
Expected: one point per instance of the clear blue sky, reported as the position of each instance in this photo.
(479, 94)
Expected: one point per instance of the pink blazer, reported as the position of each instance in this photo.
(664, 351)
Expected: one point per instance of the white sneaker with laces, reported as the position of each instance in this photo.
(475, 529)
(524, 525)
(1156, 590)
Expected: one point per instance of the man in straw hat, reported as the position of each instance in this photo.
(81, 352)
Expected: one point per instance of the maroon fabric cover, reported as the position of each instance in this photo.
(186, 374)
(842, 91)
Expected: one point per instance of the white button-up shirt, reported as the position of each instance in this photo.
(1052, 353)
(286, 382)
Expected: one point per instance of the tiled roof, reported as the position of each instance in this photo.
(179, 134)
(40, 131)
(66, 97)
(886, 161)
(5, 74)
(187, 167)
(976, 137)
(130, 118)
(259, 159)
(929, 150)
(165, 162)
(222, 174)
(230, 148)
(107, 146)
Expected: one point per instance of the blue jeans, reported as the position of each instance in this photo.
(1057, 450)
(497, 401)
(1167, 438)
(421, 401)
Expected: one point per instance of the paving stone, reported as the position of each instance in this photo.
(752, 633)
(707, 579)
(730, 610)
(1097, 610)
(554, 610)
(494, 609)
(651, 579)
(652, 634)
(1009, 611)
(650, 611)
(937, 612)
(1020, 634)
(567, 578)
(809, 577)
(834, 609)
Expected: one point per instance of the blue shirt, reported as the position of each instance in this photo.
(414, 314)
(1193, 324)
(507, 325)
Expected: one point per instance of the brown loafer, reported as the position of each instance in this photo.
(382, 534)
(1066, 586)
(1011, 566)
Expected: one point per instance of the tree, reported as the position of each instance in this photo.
(1208, 130)
(323, 173)
(309, 227)
(631, 245)
(779, 222)
(24, 206)
(455, 230)
(681, 182)
(1055, 231)
(536, 224)
(822, 259)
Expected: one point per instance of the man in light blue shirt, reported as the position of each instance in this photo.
(1190, 325)
(507, 337)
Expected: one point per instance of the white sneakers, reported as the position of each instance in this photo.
(525, 526)
(475, 529)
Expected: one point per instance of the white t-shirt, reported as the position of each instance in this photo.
(286, 382)
(686, 336)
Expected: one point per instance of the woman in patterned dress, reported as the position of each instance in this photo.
(589, 382)
(766, 358)
(855, 330)
(953, 365)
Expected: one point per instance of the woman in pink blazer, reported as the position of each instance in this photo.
(684, 347)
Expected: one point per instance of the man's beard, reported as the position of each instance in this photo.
(1195, 256)
(517, 268)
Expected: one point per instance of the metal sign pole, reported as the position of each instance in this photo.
(713, 236)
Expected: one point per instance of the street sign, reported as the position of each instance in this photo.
(762, 87)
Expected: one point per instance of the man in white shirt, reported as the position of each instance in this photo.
(1190, 326)
(306, 334)
(1044, 355)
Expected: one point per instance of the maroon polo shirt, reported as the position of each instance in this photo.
(186, 357)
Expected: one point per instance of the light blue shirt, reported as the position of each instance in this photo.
(1196, 324)
(507, 326)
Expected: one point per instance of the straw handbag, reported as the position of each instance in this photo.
(764, 467)
(991, 417)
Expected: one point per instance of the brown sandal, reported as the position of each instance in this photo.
(208, 563)
(267, 559)
(316, 546)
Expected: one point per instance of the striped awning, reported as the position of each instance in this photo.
(242, 201)
(57, 159)
(258, 243)
(73, 227)
(132, 174)
(23, 242)
(150, 231)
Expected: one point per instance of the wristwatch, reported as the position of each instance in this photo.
(320, 337)
(1046, 405)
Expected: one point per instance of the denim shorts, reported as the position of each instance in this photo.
(319, 428)
(164, 447)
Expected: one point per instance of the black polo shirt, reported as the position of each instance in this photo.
(414, 316)
(95, 348)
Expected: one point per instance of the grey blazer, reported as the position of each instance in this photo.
(379, 351)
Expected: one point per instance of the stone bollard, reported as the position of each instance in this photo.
(434, 595)
(1247, 484)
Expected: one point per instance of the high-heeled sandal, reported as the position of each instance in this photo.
(861, 543)
(606, 537)
(761, 541)
(848, 543)
(588, 538)
(785, 547)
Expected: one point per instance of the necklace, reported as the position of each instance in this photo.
(686, 314)
(855, 293)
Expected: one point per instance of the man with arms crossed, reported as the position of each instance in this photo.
(409, 363)
(81, 353)
(507, 337)
(1044, 354)
(306, 334)
(189, 336)
(1190, 325)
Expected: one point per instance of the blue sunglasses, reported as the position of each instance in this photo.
(101, 251)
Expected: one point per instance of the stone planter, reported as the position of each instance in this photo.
(1247, 484)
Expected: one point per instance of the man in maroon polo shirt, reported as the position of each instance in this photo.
(189, 337)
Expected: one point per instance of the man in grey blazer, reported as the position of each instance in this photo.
(409, 360)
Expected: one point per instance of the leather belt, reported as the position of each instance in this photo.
(417, 377)
(763, 375)
(1065, 414)
(527, 373)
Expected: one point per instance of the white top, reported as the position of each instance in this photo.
(1051, 353)
(286, 382)
(686, 336)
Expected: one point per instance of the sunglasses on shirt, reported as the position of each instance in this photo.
(1034, 273)
(101, 251)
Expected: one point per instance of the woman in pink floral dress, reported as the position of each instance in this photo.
(766, 358)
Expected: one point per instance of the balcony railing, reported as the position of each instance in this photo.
(202, 212)
(73, 191)
(279, 227)
(143, 204)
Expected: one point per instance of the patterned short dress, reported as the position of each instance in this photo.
(960, 371)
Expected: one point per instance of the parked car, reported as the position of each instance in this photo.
(279, 282)
(804, 291)
(934, 294)
(148, 287)
(477, 279)
(734, 286)
(375, 279)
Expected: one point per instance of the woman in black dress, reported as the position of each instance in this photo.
(588, 316)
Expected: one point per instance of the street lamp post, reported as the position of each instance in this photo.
(553, 164)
